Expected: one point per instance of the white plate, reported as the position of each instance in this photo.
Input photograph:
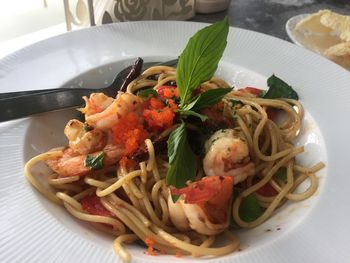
(34, 230)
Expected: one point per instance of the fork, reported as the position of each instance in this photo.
(14, 105)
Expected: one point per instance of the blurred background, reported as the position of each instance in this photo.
(20, 17)
(23, 22)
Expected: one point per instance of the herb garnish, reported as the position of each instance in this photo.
(207, 99)
(250, 209)
(197, 64)
(279, 89)
(199, 60)
(95, 162)
(281, 174)
(147, 93)
(183, 165)
(192, 113)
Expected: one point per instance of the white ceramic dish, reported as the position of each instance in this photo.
(290, 26)
(34, 230)
(312, 41)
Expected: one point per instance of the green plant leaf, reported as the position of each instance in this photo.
(262, 93)
(147, 93)
(236, 103)
(281, 174)
(279, 89)
(250, 209)
(199, 60)
(207, 99)
(193, 113)
(95, 162)
(175, 198)
(182, 160)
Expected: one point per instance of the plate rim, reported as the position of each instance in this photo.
(290, 26)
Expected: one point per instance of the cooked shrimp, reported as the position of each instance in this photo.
(83, 138)
(120, 107)
(72, 163)
(227, 153)
(96, 102)
(203, 206)
(177, 214)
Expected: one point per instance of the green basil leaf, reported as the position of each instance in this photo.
(236, 103)
(250, 209)
(174, 141)
(279, 89)
(175, 198)
(281, 174)
(193, 113)
(262, 93)
(95, 162)
(235, 193)
(207, 99)
(190, 105)
(199, 60)
(147, 93)
(182, 160)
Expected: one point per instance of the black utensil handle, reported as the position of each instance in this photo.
(15, 94)
(134, 72)
(25, 105)
(20, 104)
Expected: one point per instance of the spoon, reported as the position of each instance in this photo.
(14, 105)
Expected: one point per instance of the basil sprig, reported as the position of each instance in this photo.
(199, 60)
(197, 64)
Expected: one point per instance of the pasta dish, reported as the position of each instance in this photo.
(179, 158)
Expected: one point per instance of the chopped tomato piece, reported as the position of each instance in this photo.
(272, 113)
(267, 190)
(212, 194)
(254, 91)
(92, 205)
(208, 188)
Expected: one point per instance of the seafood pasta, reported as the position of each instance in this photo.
(175, 167)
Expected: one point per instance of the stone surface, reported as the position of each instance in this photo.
(270, 16)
